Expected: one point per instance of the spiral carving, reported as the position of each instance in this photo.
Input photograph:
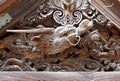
(77, 17)
(89, 65)
(59, 17)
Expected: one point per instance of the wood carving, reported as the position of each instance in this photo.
(59, 39)
(80, 38)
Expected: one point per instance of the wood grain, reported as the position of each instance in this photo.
(111, 13)
(58, 76)
(18, 11)
(6, 5)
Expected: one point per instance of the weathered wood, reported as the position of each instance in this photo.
(110, 11)
(78, 45)
(59, 76)
(6, 5)
(19, 11)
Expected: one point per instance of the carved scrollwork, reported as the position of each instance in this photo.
(77, 17)
(92, 13)
(64, 15)
(101, 19)
(42, 12)
(15, 65)
(89, 11)
(76, 43)
(59, 17)
(89, 65)
(62, 19)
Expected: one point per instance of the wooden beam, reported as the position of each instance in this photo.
(59, 76)
(110, 12)
(6, 5)
(2, 1)
(19, 11)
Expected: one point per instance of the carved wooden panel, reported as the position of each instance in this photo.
(64, 35)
